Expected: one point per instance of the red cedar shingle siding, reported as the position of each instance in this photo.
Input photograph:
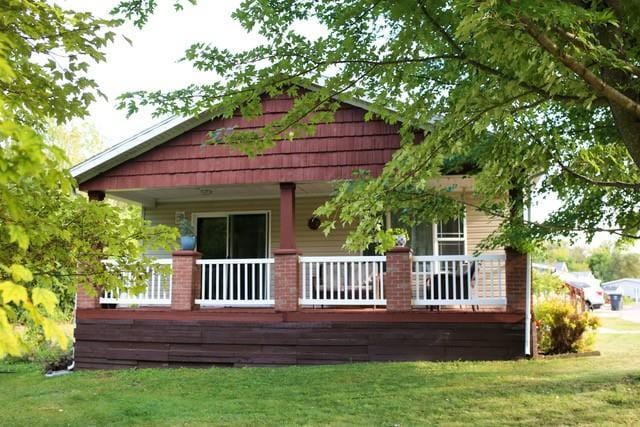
(333, 152)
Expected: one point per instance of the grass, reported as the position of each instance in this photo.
(589, 390)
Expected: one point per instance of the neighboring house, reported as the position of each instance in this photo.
(557, 267)
(266, 286)
(628, 287)
(560, 267)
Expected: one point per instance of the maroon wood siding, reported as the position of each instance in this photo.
(112, 339)
(333, 152)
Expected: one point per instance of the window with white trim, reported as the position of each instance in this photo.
(450, 238)
(442, 238)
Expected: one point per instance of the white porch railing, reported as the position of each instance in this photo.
(343, 280)
(158, 290)
(459, 279)
(236, 282)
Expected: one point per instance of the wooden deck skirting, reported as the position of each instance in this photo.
(110, 339)
(267, 315)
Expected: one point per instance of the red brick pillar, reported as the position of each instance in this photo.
(287, 279)
(397, 283)
(84, 298)
(86, 301)
(516, 276)
(185, 287)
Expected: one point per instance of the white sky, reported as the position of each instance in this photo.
(150, 63)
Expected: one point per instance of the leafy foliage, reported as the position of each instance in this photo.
(561, 329)
(47, 233)
(505, 92)
(608, 264)
(575, 257)
(545, 284)
(185, 227)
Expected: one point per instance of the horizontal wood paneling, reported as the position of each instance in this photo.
(479, 226)
(334, 151)
(310, 242)
(109, 343)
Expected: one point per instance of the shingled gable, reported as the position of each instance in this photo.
(172, 153)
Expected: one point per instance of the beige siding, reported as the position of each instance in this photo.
(479, 227)
(310, 242)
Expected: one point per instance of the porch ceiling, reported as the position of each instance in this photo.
(151, 196)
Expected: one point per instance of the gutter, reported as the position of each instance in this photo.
(527, 298)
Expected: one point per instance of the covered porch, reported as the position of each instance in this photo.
(258, 247)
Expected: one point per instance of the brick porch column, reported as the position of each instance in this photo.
(185, 285)
(397, 283)
(516, 276)
(84, 300)
(286, 265)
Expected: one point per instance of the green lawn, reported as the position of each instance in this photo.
(589, 390)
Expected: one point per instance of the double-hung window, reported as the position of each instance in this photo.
(441, 238)
(450, 238)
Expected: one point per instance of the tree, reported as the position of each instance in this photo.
(547, 284)
(51, 240)
(600, 262)
(79, 140)
(575, 257)
(611, 263)
(502, 91)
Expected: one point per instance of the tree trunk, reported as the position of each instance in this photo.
(629, 127)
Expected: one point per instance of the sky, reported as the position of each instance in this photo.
(150, 62)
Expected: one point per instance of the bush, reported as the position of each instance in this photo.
(561, 329)
(47, 355)
(546, 284)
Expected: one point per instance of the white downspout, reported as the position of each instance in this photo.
(527, 298)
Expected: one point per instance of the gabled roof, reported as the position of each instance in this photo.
(135, 145)
(628, 280)
(158, 134)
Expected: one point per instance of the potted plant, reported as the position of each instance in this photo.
(187, 235)
(400, 237)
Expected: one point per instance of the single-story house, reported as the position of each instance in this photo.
(264, 285)
(627, 286)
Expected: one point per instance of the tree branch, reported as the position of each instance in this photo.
(602, 88)
(486, 68)
(615, 184)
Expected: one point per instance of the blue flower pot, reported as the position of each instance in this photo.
(188, 243)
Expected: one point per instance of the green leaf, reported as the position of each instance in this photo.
(45, 298)
(12, 292)
(20, 274)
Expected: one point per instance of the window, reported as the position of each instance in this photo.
(443, 238)
(450, 237)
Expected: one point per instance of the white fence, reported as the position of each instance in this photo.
(158, 290)
(343, 280)
(236, 282)
(459, 279)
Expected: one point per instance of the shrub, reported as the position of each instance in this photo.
(545, 284)
(48, 356)
(561, 329)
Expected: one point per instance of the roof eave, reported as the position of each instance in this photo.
(134, 146)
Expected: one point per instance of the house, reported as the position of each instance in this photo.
(628, 287)
(265, 286)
